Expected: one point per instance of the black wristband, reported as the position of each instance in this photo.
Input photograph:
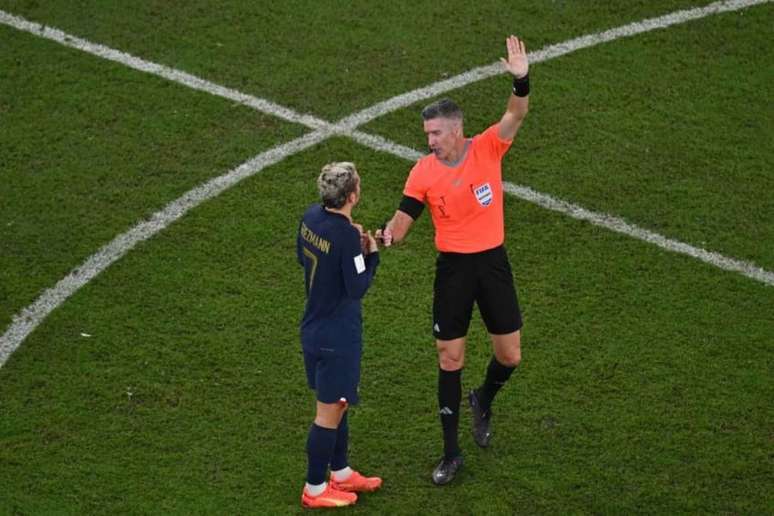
(521, 86)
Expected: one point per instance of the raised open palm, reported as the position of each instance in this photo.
(517, 63)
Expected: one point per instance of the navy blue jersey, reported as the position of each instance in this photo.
(337, 276)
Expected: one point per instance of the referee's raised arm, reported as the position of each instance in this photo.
(517, 65)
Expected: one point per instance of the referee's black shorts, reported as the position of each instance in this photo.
(461, 279)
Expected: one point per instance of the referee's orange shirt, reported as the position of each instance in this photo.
(466, 201)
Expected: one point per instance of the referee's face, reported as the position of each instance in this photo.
(442, 135)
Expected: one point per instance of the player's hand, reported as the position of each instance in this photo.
(359, 228)
(364, 243)
(370, 246)
(517, 63)
(384, 236)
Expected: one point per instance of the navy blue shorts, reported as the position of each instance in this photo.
(333, 374)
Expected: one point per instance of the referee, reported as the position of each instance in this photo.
(461, 183)
(339, 263)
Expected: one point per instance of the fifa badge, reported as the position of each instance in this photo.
(483, 194)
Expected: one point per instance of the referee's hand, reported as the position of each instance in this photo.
(384, 236)
(517, 63)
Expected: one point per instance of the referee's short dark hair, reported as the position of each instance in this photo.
(444, 108)
(336, 181)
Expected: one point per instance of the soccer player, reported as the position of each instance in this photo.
(461, 182)
(339, 261)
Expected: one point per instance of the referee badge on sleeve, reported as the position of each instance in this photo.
(359, 263)
(483, 194)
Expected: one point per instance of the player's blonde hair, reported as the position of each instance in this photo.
(336, 181)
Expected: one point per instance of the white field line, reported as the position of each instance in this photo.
(186, 79)
(194, 82)
(544, 54)
(30, 317)
(621, 226)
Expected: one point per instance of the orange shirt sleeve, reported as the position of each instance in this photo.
(491, 139)
(416, 185)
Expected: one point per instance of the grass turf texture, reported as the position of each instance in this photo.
(297, 53)
(89, 148)
(645, 386)
(189, 396)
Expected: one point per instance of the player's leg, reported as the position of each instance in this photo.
(499, 308)
(452, 309)
(321, 439)
(343, 477)
(340, 459)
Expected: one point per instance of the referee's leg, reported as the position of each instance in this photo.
(499, 306)
(453, 297)
(507, 348)
(451, 359)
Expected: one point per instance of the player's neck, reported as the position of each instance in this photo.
(345, 210)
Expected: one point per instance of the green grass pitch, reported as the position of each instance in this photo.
(173, 382)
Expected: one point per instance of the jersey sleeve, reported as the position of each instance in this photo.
(415, 186)
(356, 269)
(491, 140)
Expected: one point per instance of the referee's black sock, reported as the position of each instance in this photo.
(496, 376)
(449, 396)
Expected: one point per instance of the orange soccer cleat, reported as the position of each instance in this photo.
(329, 498)
(357, 483)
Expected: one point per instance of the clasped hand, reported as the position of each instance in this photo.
(368, 241)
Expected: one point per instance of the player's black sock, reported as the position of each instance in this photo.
(339, 459)
(496, 376)
(319, 448)
(449, 396)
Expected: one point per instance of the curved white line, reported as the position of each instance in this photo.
(30, 317)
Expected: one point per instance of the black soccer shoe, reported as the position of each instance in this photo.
(446, 470)
(482, 427)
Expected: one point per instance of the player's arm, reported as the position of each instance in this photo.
(358, 269)
(398, 226)
(517, 65)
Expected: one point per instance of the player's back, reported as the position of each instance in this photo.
(336, 274)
